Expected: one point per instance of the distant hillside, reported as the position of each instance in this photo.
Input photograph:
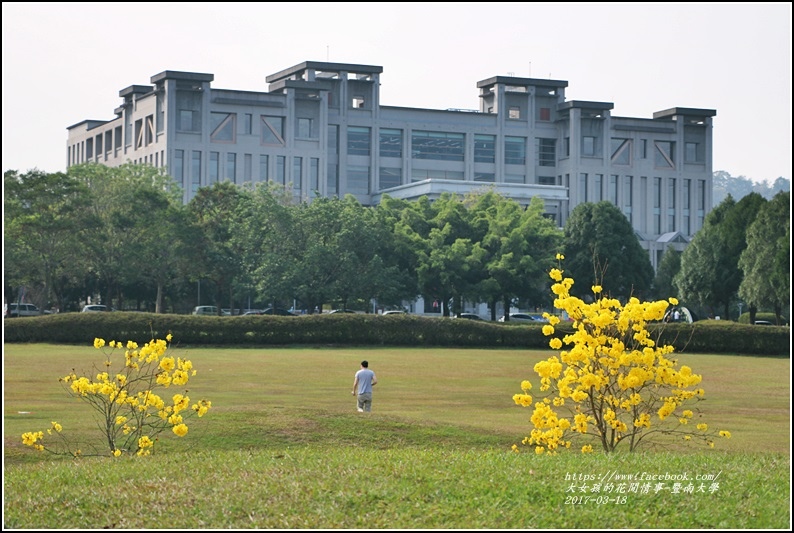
(739, 187)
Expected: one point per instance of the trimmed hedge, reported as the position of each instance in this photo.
(367, 330)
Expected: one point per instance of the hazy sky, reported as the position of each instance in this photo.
(66, 62)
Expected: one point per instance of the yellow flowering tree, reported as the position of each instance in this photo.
(613, 383)
(128, 410)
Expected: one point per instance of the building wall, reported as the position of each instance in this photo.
(321, 129)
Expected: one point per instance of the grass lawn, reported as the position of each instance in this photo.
(283, 447)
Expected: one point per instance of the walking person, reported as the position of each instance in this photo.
(362, 387)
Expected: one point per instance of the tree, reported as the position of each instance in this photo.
(669, 266)
(41, 214)
(520, 245)
(765, 262)
(601, 248)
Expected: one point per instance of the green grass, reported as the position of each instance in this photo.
(283, 447)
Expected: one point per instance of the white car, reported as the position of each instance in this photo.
(524, 318)
(209, 310)
(96, 309)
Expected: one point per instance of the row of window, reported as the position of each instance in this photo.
(622, 151)
(597, 187)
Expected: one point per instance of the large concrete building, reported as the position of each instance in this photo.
(320, 128)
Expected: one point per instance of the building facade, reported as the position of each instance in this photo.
(320, 129)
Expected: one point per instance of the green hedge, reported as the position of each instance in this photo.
(366, 329)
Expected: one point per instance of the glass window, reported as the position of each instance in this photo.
(583, 186)
(297, 174)
(484, 148)
(179, 167)
(272, 130)
(613, 189)
(514, 113)
(545, 114)
(263, 173)
(314, 174)
(514, 178)
(332, 179)
(281, 167)
(358, 141)
(598, 184)
(644, 148)
(421, 175)
(691, 153)
(195, 172)
(389, 177)
(186, 120)
(628, 191)
(621, 151)
(547, 156)
(489, 177)
(547, 180)
(438, 145)
(214, 168)
(664, 154)
(223, 127)
(305, 128)
(515, 150)
(231, 167)
(391, 143)
(358, 180)
(588, 145)
(248, 123)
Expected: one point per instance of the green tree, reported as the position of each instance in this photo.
(765, 262)
(669, 266)
(601, 248)
(41, 214)
(520, 247)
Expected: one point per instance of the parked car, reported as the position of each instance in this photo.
(277, 311)
(249, 312)
(524, 318)
(96, 309)
(394, 312)
(763, 323)
(469, 316)
(341, 311)
(17, 310)
(209, 310)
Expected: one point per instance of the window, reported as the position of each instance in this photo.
(149, 130)
(358, 180)
(515, 150)
(643, 148)
(223, 127)
(566, 147)
(138, 136)
(628, 189)
(272, 130)
(391, 143)
(613, 189)
(514, 113)
(389, 177)
(588, 145)
(657, 205)
(545, 114)
(664, 154)
(281, 168)
(358, 102)
(297, 174)
(547, 180)
(214, 167)
(515, 178)
(305, 128)
(263, 173)
(421, 175)
(195, 172)
(333, 139)
(671, 204)
(438, 145)
(358, 140)
(484, 148)
(179, 167)
(188, 120)
(546, 152)
(598, 187)
(314, 174)
(686, 205)
(488, 177)
(583, 187)
(248, 123)
(621, 151)
(231, 167)
(691, 153)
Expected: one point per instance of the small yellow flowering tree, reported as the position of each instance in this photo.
(128, 411)
(614, 383)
